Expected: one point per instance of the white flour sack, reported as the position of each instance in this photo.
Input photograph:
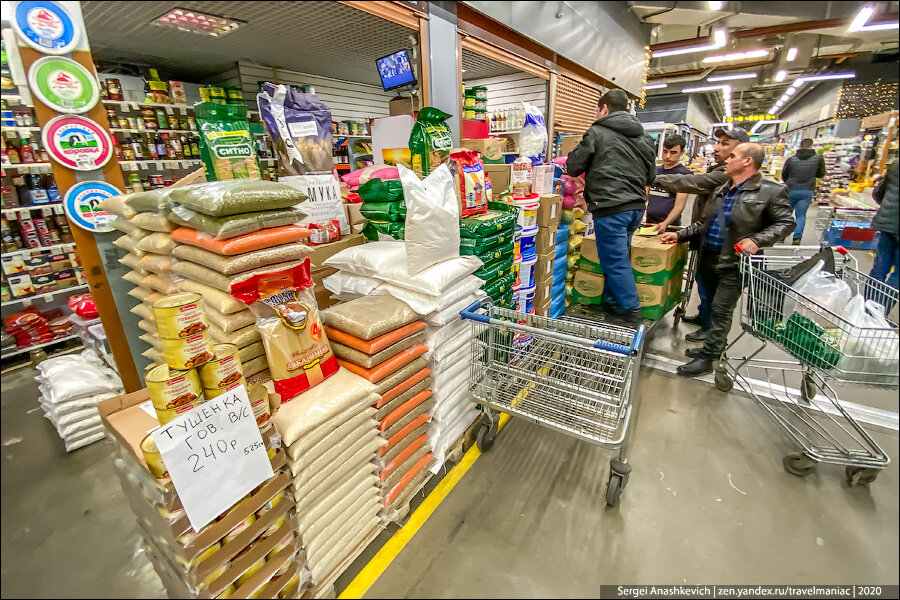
(432, 218)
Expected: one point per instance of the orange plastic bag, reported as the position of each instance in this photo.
(264, 238)
(400, 458)
(402, 387)
(404, 409)
(377, 344)
(382, 370)
(411, 426)
(395, 491)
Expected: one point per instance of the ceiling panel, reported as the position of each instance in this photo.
(321, 38)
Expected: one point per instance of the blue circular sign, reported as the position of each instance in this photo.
(46, 26)
(82, 205)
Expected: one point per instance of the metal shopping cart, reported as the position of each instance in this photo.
(573, 376)
(687, 287)
(798, 394)
(847, 227)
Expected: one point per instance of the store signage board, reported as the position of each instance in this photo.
(215, 455)
(77, 142)
(749, 118)
(47, 27)
(82, 205)
(63, 84)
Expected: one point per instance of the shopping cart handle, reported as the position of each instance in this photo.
(469, 313)
(638, 340)
(636, 343)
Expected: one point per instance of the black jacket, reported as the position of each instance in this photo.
(702, 185)
(887, 194)
(762, 212)
(619, 163)
(801, 170)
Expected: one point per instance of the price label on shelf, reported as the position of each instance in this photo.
(182, 110)
(144, 166)
(215, 455)
(135, 106)
(170, 110)
(171, 165)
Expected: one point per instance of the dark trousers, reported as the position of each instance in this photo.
(723, 287)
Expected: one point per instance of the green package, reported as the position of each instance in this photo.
(378, 190)
(383, 211)
(488, 223)
(430, 140)
(468, 246)
(226, 144)
(230, 226)
(495, 270)
(501, 287)
(375, 231)
(489, 256)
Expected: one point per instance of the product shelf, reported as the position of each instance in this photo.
(18, 209)
(511, 132)
(45, 297)
(119, 130)
(163, 164)
(39, 165)
(44, 345)
(28, 251)
(18, 129)
(153, 104)
(15, 98)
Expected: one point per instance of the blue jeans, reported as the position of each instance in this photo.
(886, 268)
(704, 310)
(613, 248)
(800, 201)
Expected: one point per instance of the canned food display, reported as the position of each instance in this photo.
(200, 557)
(272, 503)
(172, 391)
(215, 575)
(239, 529)
(153, 458)
(286, 541)
(251, 571)
(224, 370)
(187, 353)
(259, 400)
(179, 316)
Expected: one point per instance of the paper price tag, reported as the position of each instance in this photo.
(170, 110)
(215, 455)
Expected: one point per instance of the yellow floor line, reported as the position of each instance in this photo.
(380, 562)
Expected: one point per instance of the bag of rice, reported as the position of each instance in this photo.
(496, 269)
(153, 201)
(153, 222)
(220, 198)
(500, 288)
(370, 316)
(287, 317)
(430, 140)
(478, 226)
(490, 255)
(229, 265)
(118, 205)
(227, 147)
(468, 173)
(223, 228)
(265, 238)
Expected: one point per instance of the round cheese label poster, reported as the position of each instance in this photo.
(77, 143)
(82, 205)
(46, 26)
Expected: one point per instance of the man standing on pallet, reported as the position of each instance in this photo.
(747, 213)
(617, 159)
(704, 185)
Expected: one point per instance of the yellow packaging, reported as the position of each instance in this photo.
(179, 316)
(187, 353)
(259, 400)
(215, 575)
(200, 557)
(286, 541)
(239, 529)
(224, 370)
(290, 590)
(227, 592)
(274, 527)
(172, 392)
(153, 458)
(272, 503)
(251, 571)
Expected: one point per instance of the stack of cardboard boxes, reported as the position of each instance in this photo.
(546, 248)
(657, 268)
(319, 272)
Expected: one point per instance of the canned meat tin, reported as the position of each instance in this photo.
(223, 371)
(251, 572)
(179, 316)
(187, 353)
(172, 392)
(153, 458)
(259, 400)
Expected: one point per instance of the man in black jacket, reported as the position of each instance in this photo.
(799, 174)
(618, 161)
(748, 213)
(704, 185)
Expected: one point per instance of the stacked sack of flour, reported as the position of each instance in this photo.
(332, 441)
(70, 403)
(381, 339)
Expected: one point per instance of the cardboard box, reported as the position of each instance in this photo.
(490, 148)
(545, 241)
(403, 106)
(587, 288)
(322, 253)
(500, 176)
(654, 262)
(354, 213)
(657, 300)
(543, 269)
(542, 179)
(543, 292)
(550, 211)
(568, 144)
(589, 249)
(324, 299)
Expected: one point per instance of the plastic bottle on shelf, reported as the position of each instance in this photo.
(160, 147)
(26, 151)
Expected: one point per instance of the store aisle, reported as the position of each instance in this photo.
(708, 502)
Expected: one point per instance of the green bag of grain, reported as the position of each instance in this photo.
(478, 245)
(378, 190)
(478, 226)
(377, 231)
(495, 270)
(488, 256)
(501, 287)
(383, 211)
(430, 141)
(226, 144)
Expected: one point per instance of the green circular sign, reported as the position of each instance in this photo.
(63, 84)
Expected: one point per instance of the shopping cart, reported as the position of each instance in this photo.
(687, 287)
(826, 348)
(573, 376)
(847, 227)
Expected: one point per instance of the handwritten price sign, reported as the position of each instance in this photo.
(215, 455)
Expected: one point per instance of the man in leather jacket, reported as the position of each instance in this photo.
(748, 213)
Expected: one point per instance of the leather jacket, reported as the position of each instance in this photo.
(762, 212)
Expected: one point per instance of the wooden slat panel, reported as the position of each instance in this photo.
(575, 105)
(489, 50)
(392, 11)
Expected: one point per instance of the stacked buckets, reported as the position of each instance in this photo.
(525, 254)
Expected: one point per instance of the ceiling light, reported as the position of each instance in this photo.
(656, 86)
(705, 88)
(865, 13)
(792, 54)
(759, 124)
(826, 77)
(198, 22)
(881, 26)
(730, 77)
(790, 91)
(785, 98)
(736, 56)
(781, 75)
(715, 5)
(719, 41)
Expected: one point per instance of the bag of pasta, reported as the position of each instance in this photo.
(287, 318)
(226, 144)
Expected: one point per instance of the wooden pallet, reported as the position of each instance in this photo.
(465, 441)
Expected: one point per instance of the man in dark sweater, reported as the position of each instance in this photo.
(887, 222)
(617, 159)
(799, 174)
(664, 208)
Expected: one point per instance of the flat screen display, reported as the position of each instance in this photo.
(395, 70)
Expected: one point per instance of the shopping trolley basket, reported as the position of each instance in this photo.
(847, 227)
(690, 276)
(826, 347)
(576, 377)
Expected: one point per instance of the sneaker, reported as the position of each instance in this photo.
(795, 243)
(697, 336)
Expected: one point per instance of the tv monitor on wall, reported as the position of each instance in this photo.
(395, 70)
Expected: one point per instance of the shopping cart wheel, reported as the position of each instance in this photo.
(808, 388)
(799, 464)
(614, 489)
(678, 315)
(861, 475)
(724, 383)
(486, 435)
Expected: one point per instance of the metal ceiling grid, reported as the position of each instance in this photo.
(321, 38)
(477, 66)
